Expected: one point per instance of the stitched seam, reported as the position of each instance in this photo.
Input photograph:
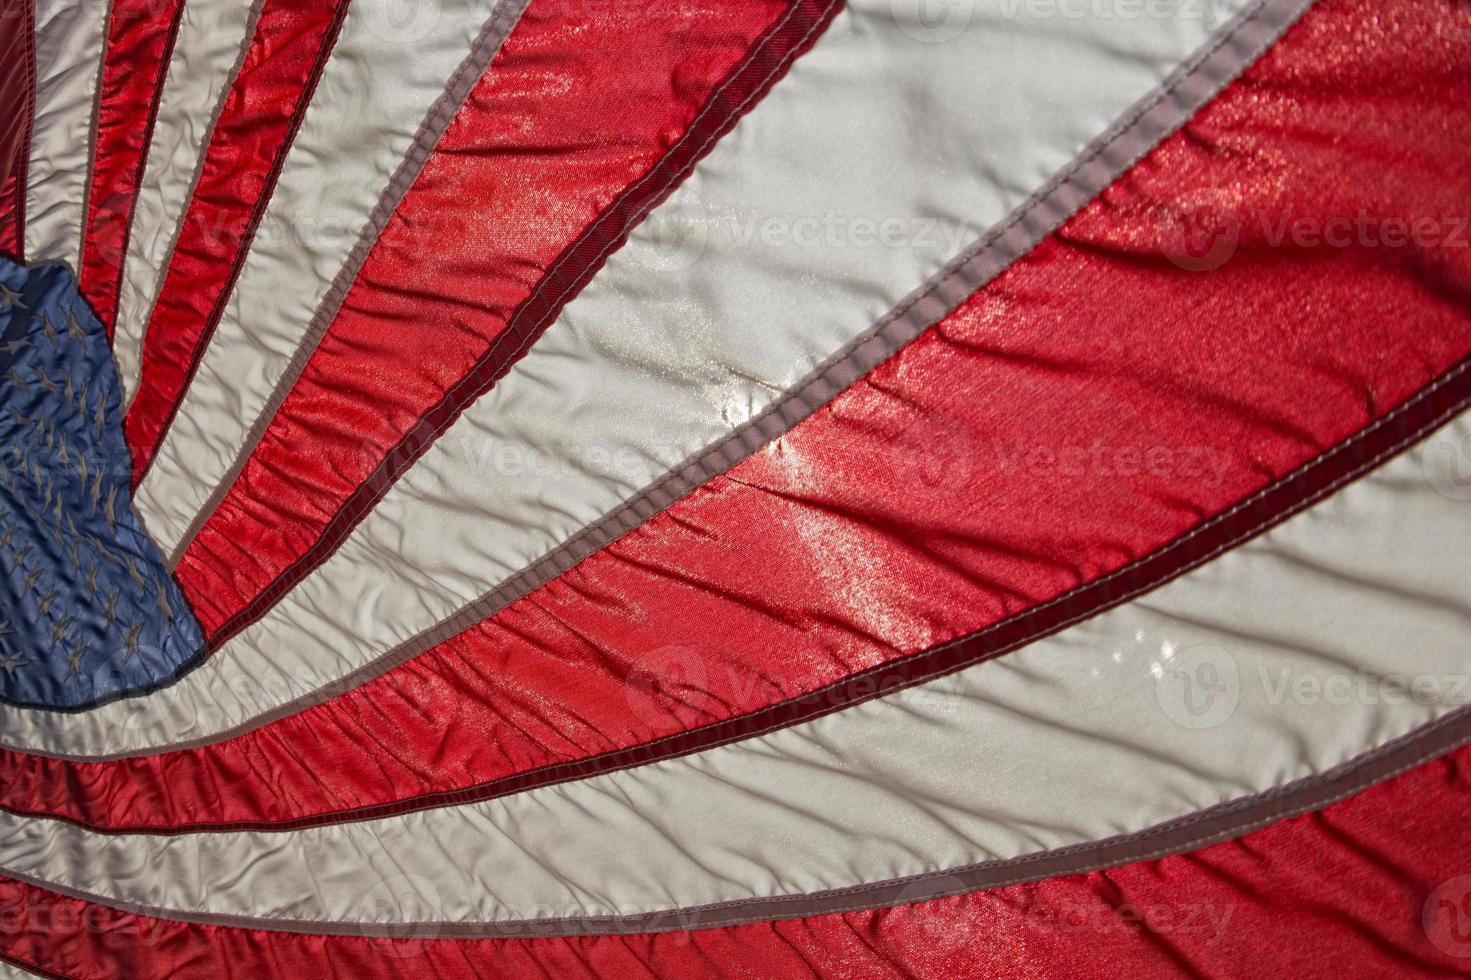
(1286, 11)
(251, 23)
(710, 462)
(346, 521)
(1276, 795)
(586, 768)
(331, 33)
(1358, 774)
(131, 192)
(455, 399)
(92, 127)
(559, 557)
(818, 693)
(431, 129)
(23, 153)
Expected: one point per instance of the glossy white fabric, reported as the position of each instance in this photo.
(1339, 631)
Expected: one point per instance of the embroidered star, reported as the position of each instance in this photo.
(73, 328)
(45, 602)
(14, 347)
(59, 628)
(19, 382)
(49, 329)
(130, 641)
(11, 298)
(109, 509)
(74, 661)
(133, 572)
(9, 662)
(162, 601)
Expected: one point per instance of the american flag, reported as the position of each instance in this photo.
(735, 488)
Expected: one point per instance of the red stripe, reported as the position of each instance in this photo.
(247, 149)
(135, 57)
(570, 149)
(1377, 885)
(928, 471)
(17, 108)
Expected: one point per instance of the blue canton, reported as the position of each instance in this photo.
(88, 611)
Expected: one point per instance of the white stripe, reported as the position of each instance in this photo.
(391, 62)
(213, 36)
(9, 970)
(69, 37)
(1339, 631)
(671, 347)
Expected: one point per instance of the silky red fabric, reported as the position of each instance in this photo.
(135, 57)
(247, 147)
(1375, 886)
(586, 117)
(17, 71)
(1105, 336)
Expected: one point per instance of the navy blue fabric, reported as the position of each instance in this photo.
(87, 608)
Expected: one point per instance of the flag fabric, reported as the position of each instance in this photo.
(90, 610)
(745, 488)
